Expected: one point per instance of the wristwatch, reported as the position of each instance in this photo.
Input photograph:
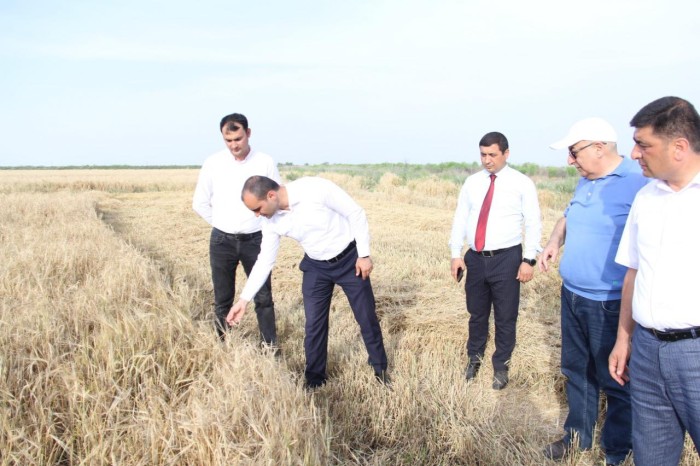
(530, 262)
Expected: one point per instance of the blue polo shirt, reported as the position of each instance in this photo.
(595, 219)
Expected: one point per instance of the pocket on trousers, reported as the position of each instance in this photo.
(612, 306)
(217, 238)
(302, 265)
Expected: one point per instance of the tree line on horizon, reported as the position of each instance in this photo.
(528, 168)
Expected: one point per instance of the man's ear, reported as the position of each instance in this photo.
(681, 147)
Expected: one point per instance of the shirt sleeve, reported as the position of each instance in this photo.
(201, 201)
(627, 253)
(263, 265)
(273, 172)
(459, 223)
(532, 220)
(340, 201)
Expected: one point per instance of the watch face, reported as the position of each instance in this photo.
(530, 261)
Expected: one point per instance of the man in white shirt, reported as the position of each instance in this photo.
(659, 330)
(236, 232)
(332, 228)
(493, 207)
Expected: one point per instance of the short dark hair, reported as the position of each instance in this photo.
(671, 117)
(494, 137)
(233, 122)
(259, 186)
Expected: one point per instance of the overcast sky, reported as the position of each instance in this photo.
(87, 82)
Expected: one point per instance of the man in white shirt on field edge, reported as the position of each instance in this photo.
(659, 330)
(332, 229)
(494, 206)
(236, 232)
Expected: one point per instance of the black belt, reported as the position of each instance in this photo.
(494, 252)
(343, 253)
(240, 236)
(674, 335)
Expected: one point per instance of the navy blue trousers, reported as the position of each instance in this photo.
(320, 277)
(491, 281)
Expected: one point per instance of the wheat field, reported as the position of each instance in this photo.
(109, 356)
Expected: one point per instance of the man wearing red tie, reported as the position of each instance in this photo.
(493, 207)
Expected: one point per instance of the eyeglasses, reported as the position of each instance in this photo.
(573, 153)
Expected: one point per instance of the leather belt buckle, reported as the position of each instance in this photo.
(240, 236)
(335, 259)
(342, 254)
(676, 335)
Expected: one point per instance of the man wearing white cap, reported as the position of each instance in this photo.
(592, 286)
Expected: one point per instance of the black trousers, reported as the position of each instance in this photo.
(226, 251)
(491, 281)
(320, 277)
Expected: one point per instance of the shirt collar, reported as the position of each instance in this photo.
(622, 169)
(662, 185)
(503, 171)
(695, 180)
(247, 157)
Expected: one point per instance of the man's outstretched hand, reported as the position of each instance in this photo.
(236, 313)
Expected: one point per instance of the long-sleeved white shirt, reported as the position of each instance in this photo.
(217, 197)
(322, 217)
(514, 205)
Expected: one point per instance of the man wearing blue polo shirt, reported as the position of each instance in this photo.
(592, 286)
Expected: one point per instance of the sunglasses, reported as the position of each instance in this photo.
(573, 153)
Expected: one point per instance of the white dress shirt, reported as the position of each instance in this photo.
(514, 204)
(322, 217)
(660, 241)
(217, 197)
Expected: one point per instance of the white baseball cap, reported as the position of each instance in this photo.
(588, 129)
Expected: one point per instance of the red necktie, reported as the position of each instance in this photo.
(480, 239)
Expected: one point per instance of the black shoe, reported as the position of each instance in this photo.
(272, 348)
(383, 378)
(557, 450)
(311, 386)
(472, 370)
(617, 463)
(500, 380)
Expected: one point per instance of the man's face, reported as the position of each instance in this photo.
(492, 159)
(266, 207)
(237, 141)
(653, 153)
(583, 159)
